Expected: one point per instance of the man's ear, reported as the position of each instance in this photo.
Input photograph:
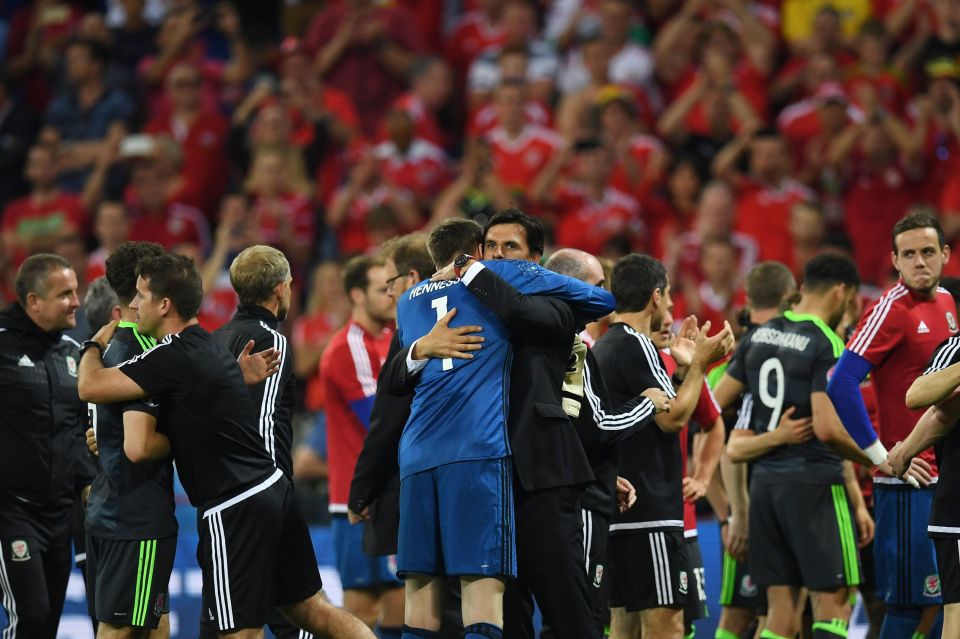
(115, 312)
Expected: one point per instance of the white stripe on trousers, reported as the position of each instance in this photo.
(661, 568)
(587, 517)
(221, 573)
(9, 603)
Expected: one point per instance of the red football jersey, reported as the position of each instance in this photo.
(179, 224)
(642, 148)
(486, 118)
(424, 120)
(897, 335)
(423, 169)
(349, 369)
(219, 303)
(705, 415)
(517, 162)
(26, 218)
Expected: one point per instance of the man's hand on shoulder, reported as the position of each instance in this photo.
(105, 334)
(258, 366)
(445, 342)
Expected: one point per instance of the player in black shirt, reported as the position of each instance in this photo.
(647, 558)
(802, 530)
(937, 427)
(261, 277)
(130, 522)
(250, 536)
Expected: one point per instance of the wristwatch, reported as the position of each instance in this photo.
(460, 262)
(88, 344)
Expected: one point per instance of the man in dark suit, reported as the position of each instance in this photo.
(551, 467)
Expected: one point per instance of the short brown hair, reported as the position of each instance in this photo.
(768, 283)
(32, 275)
(356, 272)
(453, 237)
(256, 271)
(409, 253)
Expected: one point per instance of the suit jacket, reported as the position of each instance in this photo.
(376, 478)
(547, 452)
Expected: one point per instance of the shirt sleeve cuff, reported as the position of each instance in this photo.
(471, 273)
(415, 365)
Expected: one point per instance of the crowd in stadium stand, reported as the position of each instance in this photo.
(711, 134)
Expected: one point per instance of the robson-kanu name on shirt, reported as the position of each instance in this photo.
(772, 336)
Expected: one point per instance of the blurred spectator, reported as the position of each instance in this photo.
(284, 217)
(575, 111)
(519, 22)
(799, 18)
(874, 69)
(670, 212)
(201, 135)
(520, 150)
(944, 42)
(589, 211)
(111, 228)
(570, 21)
(826, 46)
(513, 68)
(476, 32)
(36, 222)
(39, 33)
(134, 37)
(156, 215)
(880, 166)
(630, 64)
(80, 117)
(936, 116)
(714, 221)
(808, 229)
(640, 158)
(365, 194)
(365, 50)
(476, 193)
(326, 311)
(431, 85)
(412, 163)
(810, 127)
(18, 128)
(718, 295)
(766, 193)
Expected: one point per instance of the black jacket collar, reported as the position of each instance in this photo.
(258, 313)
(15, 318)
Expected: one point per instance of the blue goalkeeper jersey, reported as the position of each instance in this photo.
(460, 407)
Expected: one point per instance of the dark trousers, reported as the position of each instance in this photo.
(550, 567)
(33, 584)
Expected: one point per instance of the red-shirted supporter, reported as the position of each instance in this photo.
(879, 163)
(937, 124)
(411, 163)
(669, 212)
(873, 69)
(719, 294)
(155, 213)
(177, 42)
(575, 118)
(284, 215)
(486, 117)
(827, 41)
(589, 212)
(34, 223)
(111, 228)
(475, 32)
(640, 159)
(431, 85)
(766, 193)
(476, 192)
(811, 125)
(202, 136)
(326, 311)
(366, 51)
(365, 193)
(520, 150)
(714, 220)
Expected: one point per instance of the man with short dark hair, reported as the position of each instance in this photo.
(893, 344)
(254, 549)
(647, 552)
(130, 521)
(805, 507)
(44, 463)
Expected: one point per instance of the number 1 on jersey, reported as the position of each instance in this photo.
(773, 402)
(440, 305)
